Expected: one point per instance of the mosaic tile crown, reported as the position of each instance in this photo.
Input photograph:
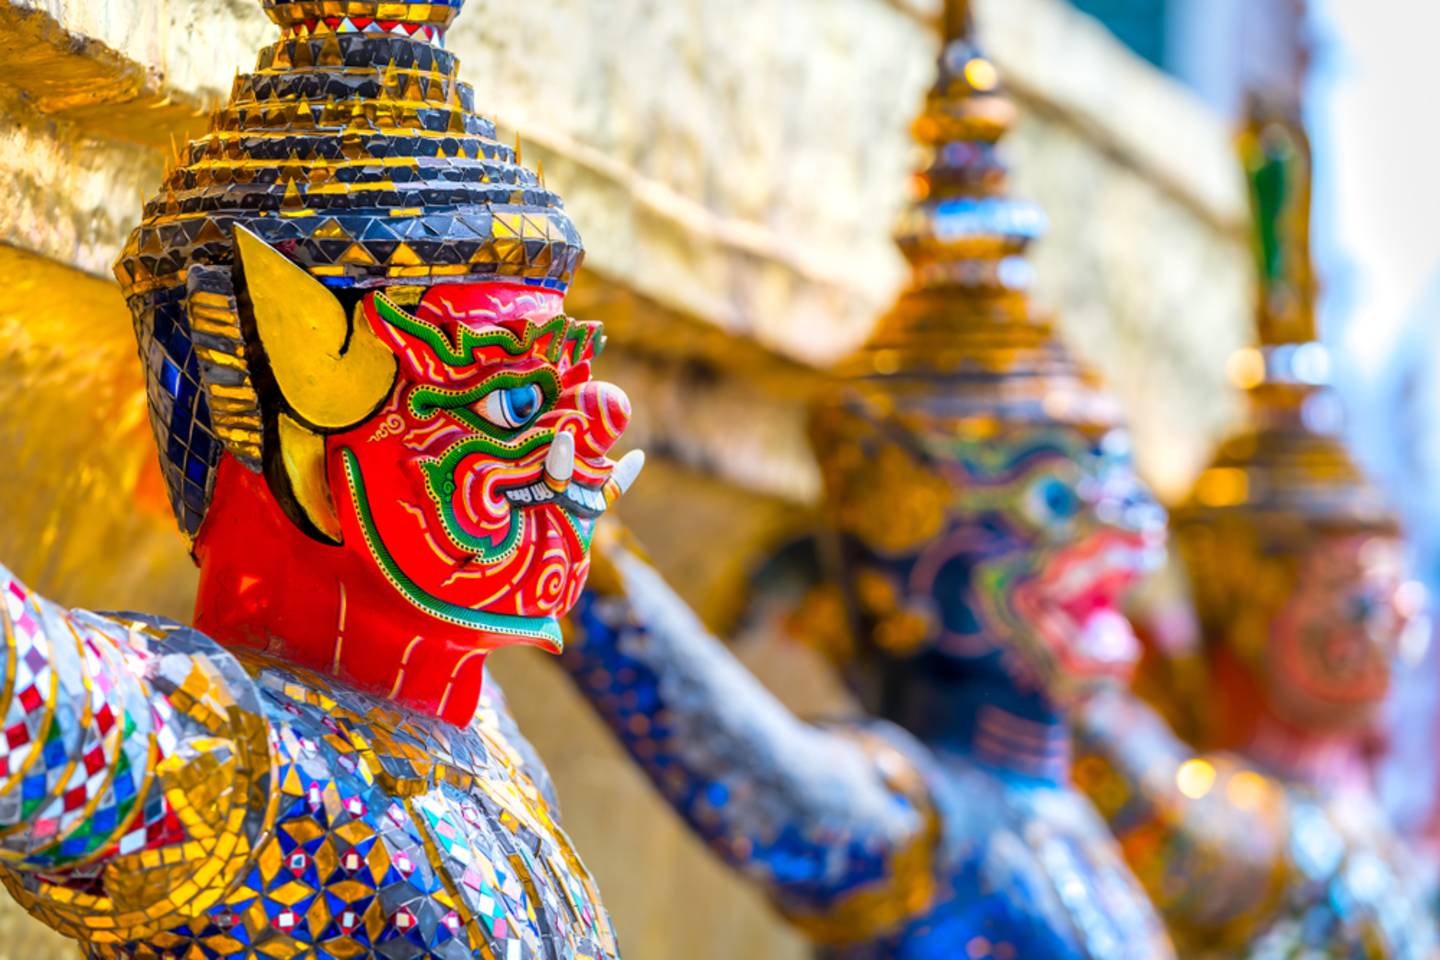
(361, 157)
(294, 13)
(355, 150)
(965, 329)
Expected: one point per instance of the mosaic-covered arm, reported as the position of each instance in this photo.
(835, 824)
(134, 766)
(1206, 835)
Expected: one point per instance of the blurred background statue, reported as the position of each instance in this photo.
(1276, 845)
(379, 430)
(989, 521)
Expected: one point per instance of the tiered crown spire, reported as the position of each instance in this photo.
(423, 21)
(965, 330)
(956, 20)
(1276, 155)
(1290, 464)
(355, 148)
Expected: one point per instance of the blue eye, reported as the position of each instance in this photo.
(1061, 499)
(514, 407)
(1051, 501)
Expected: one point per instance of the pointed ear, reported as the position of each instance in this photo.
(332, 373)
(330, 370)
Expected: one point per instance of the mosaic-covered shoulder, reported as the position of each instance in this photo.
(135, 769)
(163, 796)
(405, 835)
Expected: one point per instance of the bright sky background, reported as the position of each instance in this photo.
(1376, 116)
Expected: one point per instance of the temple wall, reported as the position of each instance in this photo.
(735, 168)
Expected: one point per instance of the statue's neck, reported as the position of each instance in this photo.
(987, 721)
(264, 585)
(1329, 761)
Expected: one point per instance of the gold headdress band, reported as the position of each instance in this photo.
(355, 149)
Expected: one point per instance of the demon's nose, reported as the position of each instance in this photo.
(607, 414)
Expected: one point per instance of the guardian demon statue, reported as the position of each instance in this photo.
(1275, 845)
(989, 520)
(379, 428)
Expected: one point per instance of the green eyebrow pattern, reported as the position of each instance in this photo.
(426, 401)
(565, 331)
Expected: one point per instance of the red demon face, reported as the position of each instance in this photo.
(476, 486)
(1337, 639)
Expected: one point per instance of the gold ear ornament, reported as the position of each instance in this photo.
(332, 373)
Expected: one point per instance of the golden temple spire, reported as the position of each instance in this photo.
(965, 329)
(1289, 468)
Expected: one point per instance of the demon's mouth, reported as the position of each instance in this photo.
(485, 489)
(584, 502)
(585, 493)
(1074, 602)
(542, 575)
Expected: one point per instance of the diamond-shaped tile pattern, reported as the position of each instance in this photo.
(131, 762)
(160, 798)
(355, 149)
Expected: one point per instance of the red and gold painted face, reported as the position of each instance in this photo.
(1335, 641)
(476, 486)
(435, 462)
